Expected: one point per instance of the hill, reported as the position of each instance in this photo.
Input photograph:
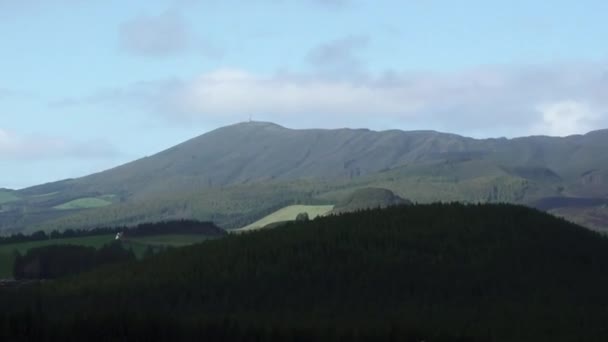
(442, 272)
(369, 198)
(212, 177)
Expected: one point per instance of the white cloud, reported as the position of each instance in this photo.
(482, 102)
(235, 92)
(567, 117)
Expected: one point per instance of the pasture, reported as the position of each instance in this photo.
(289, 213)
(84, 203)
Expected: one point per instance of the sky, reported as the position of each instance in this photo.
(86, 85)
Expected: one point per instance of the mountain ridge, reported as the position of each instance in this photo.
(321, 166)
(277, 127)
(350, 136)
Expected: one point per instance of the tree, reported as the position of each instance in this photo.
(302, 217)
(149, 252)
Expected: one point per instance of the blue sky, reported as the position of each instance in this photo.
(88, 84)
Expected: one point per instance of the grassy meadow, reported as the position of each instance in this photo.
(6, 197)
(84, 203)
(289, 214)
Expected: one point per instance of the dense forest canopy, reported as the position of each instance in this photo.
(440, 272)
(58, 261)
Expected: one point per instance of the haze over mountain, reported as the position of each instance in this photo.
(220, 173)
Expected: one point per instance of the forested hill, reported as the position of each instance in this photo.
(443, 272)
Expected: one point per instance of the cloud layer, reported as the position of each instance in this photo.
(491, 101)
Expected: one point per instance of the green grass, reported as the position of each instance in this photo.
(289, 214)
(46, 195)
(7, 251)
(6, 197)
(84, 203)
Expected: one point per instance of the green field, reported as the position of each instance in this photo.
(7, 251)
(84, 203)
(45, 195)
(6, 197)
(289, 214)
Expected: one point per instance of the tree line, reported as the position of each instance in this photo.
(50, 262)
(157, 228)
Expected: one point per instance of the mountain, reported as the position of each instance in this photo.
(237, 174)
(255, 152)
(440, 272)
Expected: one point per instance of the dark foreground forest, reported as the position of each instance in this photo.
(442, 272)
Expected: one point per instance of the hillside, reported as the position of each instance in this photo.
(443, 272)
(257, 151)
(369, 198)
(211, 177)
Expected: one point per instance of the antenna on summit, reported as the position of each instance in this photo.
(249, 117)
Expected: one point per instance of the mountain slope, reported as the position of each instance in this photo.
(254, 152)
(315, 166)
